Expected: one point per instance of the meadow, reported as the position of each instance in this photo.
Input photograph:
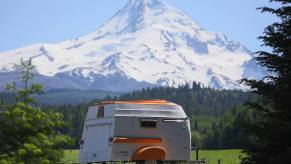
(230, 156)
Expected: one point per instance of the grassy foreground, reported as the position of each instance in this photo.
(71, 156)
(211, 156)
(230, 156)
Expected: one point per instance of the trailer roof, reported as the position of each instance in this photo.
(141, 108)
(141, 102)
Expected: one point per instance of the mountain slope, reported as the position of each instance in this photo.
(146, 43)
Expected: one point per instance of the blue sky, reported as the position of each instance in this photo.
(49, 21)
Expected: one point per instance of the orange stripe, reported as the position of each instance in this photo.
(137, 140)
(145, 102)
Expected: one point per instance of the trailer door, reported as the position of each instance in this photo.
(97, 139)
(178, 139)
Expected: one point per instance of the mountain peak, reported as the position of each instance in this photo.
(147, 3)
(146, 43)
(147, 7)
(138, 14)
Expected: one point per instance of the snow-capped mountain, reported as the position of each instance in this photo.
(146, 43)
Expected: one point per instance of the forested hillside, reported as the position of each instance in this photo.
(63, 96)
(216, 115)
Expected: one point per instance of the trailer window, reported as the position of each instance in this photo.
(100, 112)
(148, 124)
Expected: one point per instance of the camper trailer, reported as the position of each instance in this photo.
(134, 131)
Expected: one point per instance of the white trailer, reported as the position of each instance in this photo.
(135, 130)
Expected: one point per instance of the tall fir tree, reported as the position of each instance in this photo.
(27, 134)
(270, 135)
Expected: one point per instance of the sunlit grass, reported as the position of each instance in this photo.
(230, 156)
(71, 156)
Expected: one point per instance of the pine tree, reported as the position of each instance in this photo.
(270, 136)
(27, 134)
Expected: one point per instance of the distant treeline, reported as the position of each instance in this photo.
(217, 116)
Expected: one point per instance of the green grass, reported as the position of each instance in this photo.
(211, 156)
(71, 156)
(230, 156)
